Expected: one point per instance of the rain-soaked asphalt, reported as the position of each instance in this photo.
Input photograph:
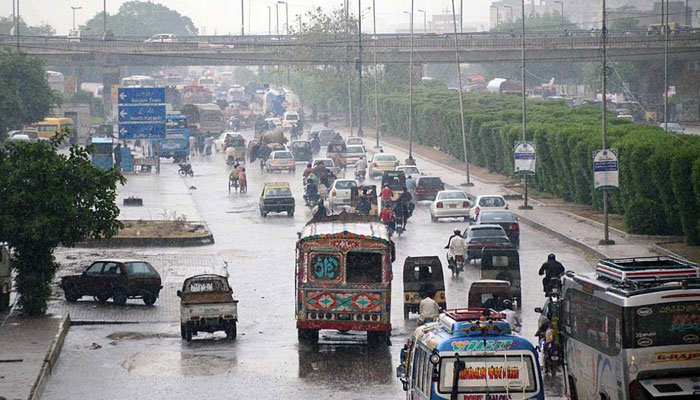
(148, 359)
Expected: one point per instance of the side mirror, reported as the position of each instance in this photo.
(401, 372)
(179, 293)
(538, 310)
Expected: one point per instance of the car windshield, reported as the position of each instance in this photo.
(431, 182)
(492, 202)
(355, 141)
(452, 195)
(487, 232)
(283, 155)
(206, 285)
(409, 170)
(140, 268)
(493, 217)
(385, 157)
(353, 149)
(345, 184)
(278, 192)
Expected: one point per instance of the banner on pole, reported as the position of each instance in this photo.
(524, 157)
(605, 170)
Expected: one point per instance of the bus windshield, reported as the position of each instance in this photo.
(664, 324)
(490, 374)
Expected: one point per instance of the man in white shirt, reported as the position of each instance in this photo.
(428, 309)
(510, 316)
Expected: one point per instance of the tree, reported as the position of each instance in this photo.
(6, 25)
(50, 199)
(25, 95)
(136, 18)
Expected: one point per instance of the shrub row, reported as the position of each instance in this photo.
(659, 172)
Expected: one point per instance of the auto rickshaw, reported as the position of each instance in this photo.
(503, 264)
(364, 200)
(396, 180)
(489, 293)
(420, 274)
(301, 150)
(235, 149)
(336, 151)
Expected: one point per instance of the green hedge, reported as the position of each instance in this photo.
(659, 172)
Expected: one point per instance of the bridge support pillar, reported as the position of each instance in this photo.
(110, 78)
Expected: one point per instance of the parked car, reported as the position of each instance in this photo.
(162, 38)
(449, 204)
(276, 197)
(20, 137)
(409, 170)
(207, 305)
(382, 162)
(280, 160)
(484, 202)
(115, 278)
(355, 140)
(672, 127)
(479, 237)
(505, 219)
(353, 153)
(427, 187)
(341, 192)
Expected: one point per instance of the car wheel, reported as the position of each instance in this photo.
(433, 218)
(119, 297)
(149, 298)
(231, 330)
(307, 336)
(188, 333)
(71, 293)
(102, 298)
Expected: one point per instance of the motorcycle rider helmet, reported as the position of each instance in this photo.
(457, 232)
(551, 257)
(507, 304)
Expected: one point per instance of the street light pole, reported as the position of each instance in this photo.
(376, 72)
(74, 9)
(410, 88)
(347, 61)
(359, 68)
(286, 29)
(525, 206)
(277, 17)
(242, 20)
(461, 100)
(425, 21)
(561, 13)
(510, 9)
(665, 28)
(104, 19)
(498, 17)
(604, 126)
(269, 20)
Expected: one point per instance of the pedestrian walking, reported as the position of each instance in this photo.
(118, 157)
(193, 146)
(242, 181)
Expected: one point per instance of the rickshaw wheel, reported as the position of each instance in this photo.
(307, 336)
(405, 312)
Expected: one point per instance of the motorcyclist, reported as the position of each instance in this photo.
(510, 316)
(364, 206)
(311, 191)
(309, 169)
(315, 145)
(320, 210)
(400, 216)
(551, 269)
(361, 167)
(455, 246)
(405, 200)
(385, 195)
(387, 218)
(294, 132)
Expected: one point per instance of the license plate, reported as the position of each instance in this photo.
(452, 206)
(555, 358)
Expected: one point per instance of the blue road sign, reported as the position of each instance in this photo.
(142, 113)
(134, 95)
(141, 131)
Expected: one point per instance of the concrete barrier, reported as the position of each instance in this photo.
(51, 359)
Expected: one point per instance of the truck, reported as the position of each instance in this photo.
(177, 138)
(207, 305)
(5, 277)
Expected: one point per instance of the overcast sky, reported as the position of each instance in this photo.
(223, 16)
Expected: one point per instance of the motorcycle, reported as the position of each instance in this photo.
(552, 286)
(455, 264)
(185, 169)
(360, 175)
(551, 356)
(311, 197)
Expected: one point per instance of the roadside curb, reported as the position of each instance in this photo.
(661, 250)
(51, 358)
(580, 245)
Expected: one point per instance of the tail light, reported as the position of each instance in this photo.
(477, 210)
(439, 204)
(374, 165)
(333, 192)
(513, 227)
(465, 204)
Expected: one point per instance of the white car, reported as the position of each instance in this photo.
(220, 142)
(280, 160)
(341, 192)
(672, 127)
(20, 137)
(409, 170)
(354, 141)
(354, 153)
(450, 204)
(162, 38)
(483, 202)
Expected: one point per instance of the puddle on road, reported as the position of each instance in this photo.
(173, 363)
(140, 335)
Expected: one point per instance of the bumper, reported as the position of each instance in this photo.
(339, 201)
(278, 208)
(450, 212)
(281, 167)
(342, 326)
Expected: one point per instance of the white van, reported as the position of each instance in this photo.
(290, 118)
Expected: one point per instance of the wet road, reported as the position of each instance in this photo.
(266, 361)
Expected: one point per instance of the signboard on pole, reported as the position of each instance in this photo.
(524, 157)
(605, 170)
(141, 113)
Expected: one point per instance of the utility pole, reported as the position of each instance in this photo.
(604, 126)
(461, 16)
(410, 91)
(347, 60)
(359, 68)
(17, 26)
(104, 19)
(74, 9)
(269, 20)
(665, 28)
(242, 20)
(461, 100)
(425, 21)
(277, 17)
(525, 206)
(376, 72)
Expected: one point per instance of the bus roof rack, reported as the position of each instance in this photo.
(475, 321)
(659, 269)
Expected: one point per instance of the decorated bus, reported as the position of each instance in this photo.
(343, 277)
(469, 354)
(631, 330)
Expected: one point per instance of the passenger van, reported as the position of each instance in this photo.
(50, 126)
(290, 118)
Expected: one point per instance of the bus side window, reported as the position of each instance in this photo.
(363, 267)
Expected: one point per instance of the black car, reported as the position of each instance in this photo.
(479, 237)
(505, 219)
(276, 197)
(427, 187)
(118, 279)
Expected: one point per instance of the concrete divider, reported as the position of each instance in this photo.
(51, 359)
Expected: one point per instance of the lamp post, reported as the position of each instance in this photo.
(286, 16)
(346, 6)
(525, 206)
(461, 100)
(561, 13)
(510, 10)
(269, 20)
(376, 90)
(498, 16)
(360, 132)
(277, 17)
(604, 126)
(425, 20)
(410, 88)
(104, 19)
(242, 20)
(665, 28)
(74, 10)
